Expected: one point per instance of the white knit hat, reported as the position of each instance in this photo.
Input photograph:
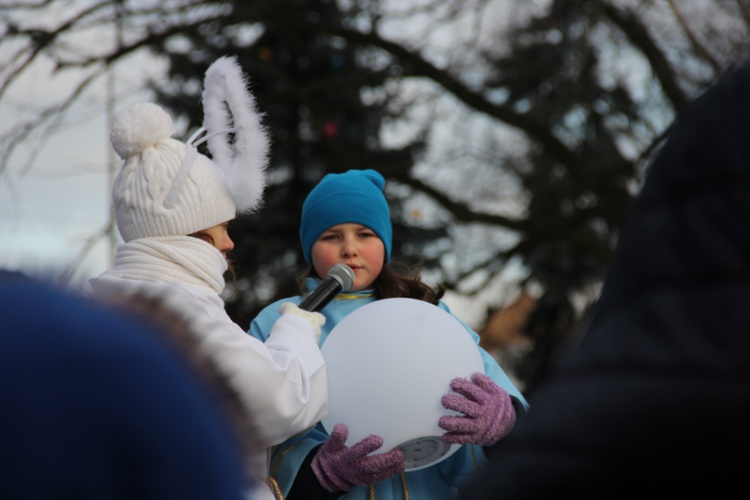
(167, 188)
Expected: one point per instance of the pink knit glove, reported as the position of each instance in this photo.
(341, 468)
(488, 412)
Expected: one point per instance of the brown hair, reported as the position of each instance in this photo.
(204, 236)
(398, 280)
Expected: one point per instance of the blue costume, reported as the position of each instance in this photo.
(356, 197)
(434, 483)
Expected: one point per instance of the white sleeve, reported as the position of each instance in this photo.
(282, 382)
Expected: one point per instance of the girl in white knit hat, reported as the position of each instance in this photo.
(172, 206)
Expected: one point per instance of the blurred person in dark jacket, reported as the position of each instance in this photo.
(102, 402)
(654, 398)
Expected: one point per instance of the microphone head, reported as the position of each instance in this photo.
(343, 274)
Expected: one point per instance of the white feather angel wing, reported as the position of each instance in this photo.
(229, 106)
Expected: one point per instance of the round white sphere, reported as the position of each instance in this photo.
(389, 363)
(138, 126)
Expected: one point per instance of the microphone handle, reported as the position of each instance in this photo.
(321, 296)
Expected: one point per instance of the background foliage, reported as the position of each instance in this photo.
(513, 133)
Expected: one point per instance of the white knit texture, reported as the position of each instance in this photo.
(172, 259)
(200, 200)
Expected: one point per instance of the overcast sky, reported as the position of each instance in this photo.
(49, 209)
(54, 193)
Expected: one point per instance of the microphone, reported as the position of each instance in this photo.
(340, 278)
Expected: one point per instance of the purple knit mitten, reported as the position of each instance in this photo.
(341, 468)
(488, 412)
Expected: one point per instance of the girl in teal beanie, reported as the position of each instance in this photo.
(346, 220)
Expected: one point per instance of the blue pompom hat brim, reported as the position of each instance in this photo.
(356, 197)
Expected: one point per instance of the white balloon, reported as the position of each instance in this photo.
(389, 363)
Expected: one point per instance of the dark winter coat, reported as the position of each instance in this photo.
(654, 399)
(94, 404)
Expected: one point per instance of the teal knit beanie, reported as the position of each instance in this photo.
(356, 196)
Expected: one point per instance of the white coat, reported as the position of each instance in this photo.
(281, 382)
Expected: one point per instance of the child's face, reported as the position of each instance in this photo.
(356, 246)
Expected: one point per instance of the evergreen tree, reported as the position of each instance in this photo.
(310, 85)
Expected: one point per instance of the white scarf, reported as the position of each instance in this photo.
(173, 259)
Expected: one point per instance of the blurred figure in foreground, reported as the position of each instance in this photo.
(98, 403)
(655, 399)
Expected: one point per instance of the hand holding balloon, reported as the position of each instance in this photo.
(341, 468)
(488, 413)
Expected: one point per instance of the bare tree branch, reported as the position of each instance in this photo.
(640, 37)
(475, 100)
(49, 118)
(697, 46)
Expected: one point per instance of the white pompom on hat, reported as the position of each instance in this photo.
(166, 187)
